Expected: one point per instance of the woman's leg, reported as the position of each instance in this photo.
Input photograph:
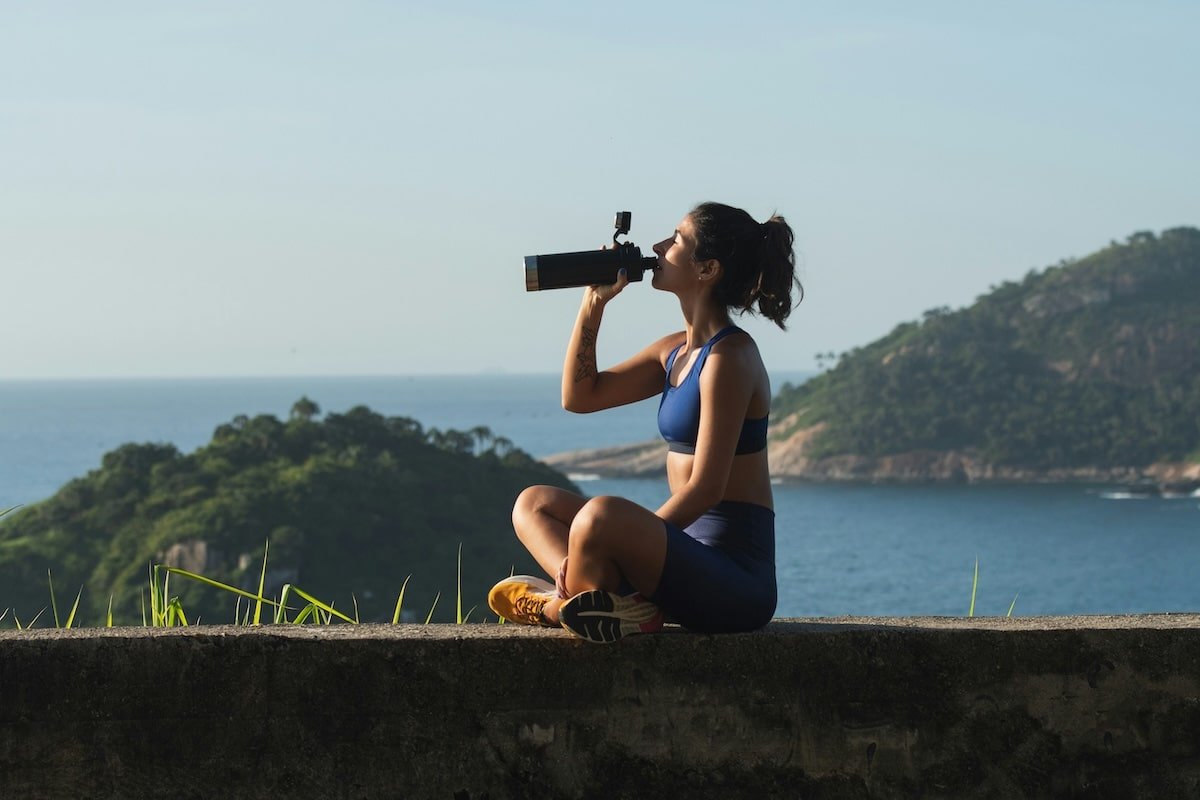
(604, 537)
(610, 537)
(542, 518)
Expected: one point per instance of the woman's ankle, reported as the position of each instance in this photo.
(550, 610)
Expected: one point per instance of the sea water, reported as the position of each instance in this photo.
(841, 549)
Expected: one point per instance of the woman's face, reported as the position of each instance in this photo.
(676, 258)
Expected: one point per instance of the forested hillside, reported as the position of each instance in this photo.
(351, 503)
(1092, 362)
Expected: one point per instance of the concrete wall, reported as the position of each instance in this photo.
(1038, 707)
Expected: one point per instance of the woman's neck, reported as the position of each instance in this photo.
(702, 322)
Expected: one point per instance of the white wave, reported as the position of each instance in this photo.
(1125, 496)
(583, 476)
(1196, 493)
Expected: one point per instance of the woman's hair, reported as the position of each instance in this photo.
(758, 265)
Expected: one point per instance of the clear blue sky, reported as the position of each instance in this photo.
(226, 188)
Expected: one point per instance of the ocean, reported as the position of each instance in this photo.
(841, 549)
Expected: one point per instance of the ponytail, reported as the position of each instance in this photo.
(758, 263)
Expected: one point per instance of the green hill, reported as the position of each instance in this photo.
(351, 503)
(1093, 362)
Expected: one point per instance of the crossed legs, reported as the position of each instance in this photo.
(601, 538)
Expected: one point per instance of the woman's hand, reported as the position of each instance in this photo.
(603, 293)
(560, 581)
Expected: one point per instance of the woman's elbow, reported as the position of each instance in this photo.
(577, 403)
(573, 405)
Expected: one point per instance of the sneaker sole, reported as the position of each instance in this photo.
(603, 617)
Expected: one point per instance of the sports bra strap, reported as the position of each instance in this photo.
(671, 360)
(699, 365)
(700, 359)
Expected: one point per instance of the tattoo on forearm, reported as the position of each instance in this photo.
(587, 355)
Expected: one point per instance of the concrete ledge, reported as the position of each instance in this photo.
(815, 708)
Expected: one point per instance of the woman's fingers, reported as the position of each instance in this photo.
(607, 292)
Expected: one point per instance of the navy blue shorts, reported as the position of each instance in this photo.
(719, 575)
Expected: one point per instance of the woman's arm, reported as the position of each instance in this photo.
(726, 389)
(584, 387)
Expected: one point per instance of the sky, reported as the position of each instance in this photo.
(299, 188)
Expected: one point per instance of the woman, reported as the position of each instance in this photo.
(706, 557)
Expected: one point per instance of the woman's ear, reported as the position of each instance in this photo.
(710, 269)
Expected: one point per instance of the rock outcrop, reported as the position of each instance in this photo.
(788, 459)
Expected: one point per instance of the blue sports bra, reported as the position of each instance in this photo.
(679, 409)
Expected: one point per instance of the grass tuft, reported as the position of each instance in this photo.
(165, 610)
(53, 602)
(262, 580)
(458, 590)
(399, 601)
(74, 609)
(974, 586)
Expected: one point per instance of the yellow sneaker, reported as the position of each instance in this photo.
(521, 598)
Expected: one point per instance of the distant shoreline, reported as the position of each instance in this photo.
(648, 460)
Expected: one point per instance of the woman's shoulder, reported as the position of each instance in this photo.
(738, 348)
(672, 341)
(738, 341)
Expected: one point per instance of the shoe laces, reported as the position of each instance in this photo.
(531, 606)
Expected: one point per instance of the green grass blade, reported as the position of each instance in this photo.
(399, 601)
(32, 622)
(354, 600)
(74, 608)
(142, 595)
(323, 606)
(3, 614)
(1013, 604)
(468, 616)
(974, 586)
(458, 590)
(108, 619)
(166, 592)
(177, 613)
(262, 582)
(436, 597)
(153, 577)
(218, 585)
(4, 511)
(281, 609)
(309, 610)
(53, 602)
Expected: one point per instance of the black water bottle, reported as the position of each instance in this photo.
(589, 267)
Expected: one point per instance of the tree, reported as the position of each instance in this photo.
(305, 409)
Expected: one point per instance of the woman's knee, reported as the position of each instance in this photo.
(594, 523)
(548, 500)
(528, 502)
